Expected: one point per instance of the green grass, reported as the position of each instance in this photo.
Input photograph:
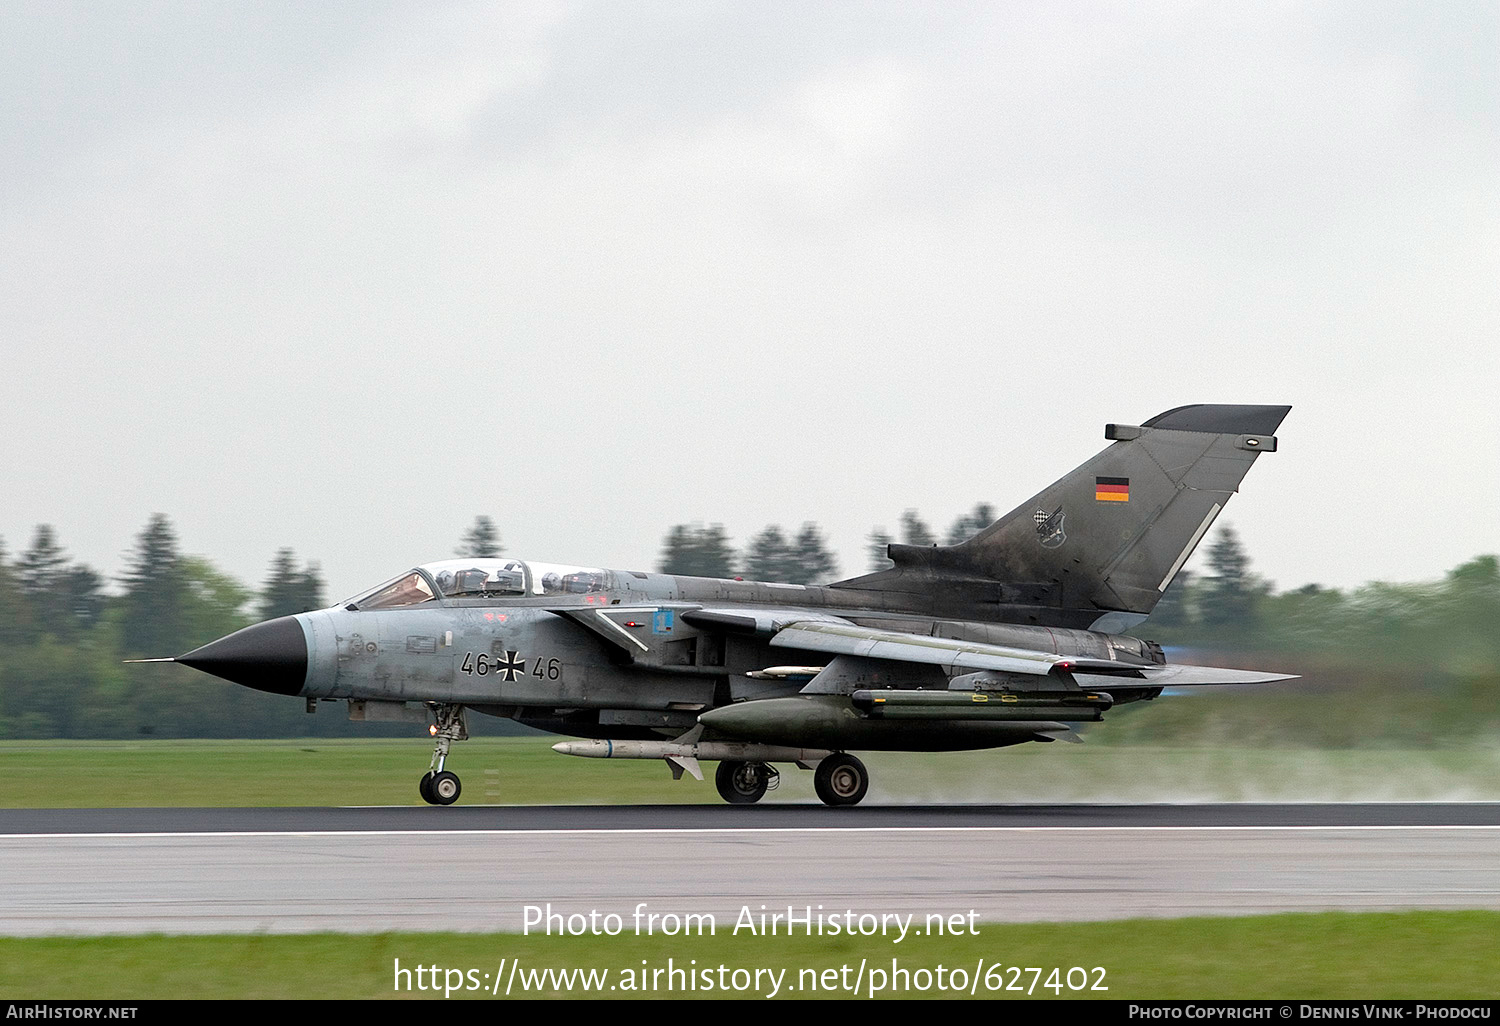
(1328, 955)
(79, 774)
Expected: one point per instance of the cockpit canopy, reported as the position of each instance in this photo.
(468, 579)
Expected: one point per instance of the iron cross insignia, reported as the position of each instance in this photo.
(512, 666)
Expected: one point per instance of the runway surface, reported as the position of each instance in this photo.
(478, 868)
(725, 817)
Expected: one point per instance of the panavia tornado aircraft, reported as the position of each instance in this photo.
(1011, 636)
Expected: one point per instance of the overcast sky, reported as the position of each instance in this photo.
(342, 276)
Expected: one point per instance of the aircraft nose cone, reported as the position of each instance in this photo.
(270, 656)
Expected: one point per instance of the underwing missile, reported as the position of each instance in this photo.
(710, 751)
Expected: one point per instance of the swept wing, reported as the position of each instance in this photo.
(955, 657)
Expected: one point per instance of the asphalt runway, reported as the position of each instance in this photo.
(725, 817)
(479, 867)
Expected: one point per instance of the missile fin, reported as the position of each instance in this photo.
(678, 763)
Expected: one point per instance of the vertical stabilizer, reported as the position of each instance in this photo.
(1109, 537)
(1114, 532)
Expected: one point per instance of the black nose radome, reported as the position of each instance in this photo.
(270, 656)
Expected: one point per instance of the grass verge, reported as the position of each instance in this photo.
(77, 774)
(1296, 956)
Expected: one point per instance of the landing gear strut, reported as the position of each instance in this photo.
(438, 786)
(744, 783)
(841, 779)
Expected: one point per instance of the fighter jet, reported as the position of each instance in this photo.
(1012, 636)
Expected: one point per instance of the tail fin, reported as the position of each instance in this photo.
(1109, 537)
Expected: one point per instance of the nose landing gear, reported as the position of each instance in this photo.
(438, 786)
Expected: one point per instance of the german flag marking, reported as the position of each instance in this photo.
(1112, 489)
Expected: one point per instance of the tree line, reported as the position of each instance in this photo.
(775, 554)
(1424, 658)
(63, 640)
(167, 598)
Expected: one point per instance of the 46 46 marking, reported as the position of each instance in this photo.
(511, 667)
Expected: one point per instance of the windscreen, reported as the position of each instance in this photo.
(410, 590)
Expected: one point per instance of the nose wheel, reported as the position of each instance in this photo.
(438, 786)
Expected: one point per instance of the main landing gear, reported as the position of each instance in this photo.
(438, 786)
(840, 779)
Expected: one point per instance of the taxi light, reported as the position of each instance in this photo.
(432, 730)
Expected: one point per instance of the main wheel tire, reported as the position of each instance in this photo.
(445, 788)
(424, 788)
(841, 779)
(741, 783)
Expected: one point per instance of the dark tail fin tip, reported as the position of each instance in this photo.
(1226, 420)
